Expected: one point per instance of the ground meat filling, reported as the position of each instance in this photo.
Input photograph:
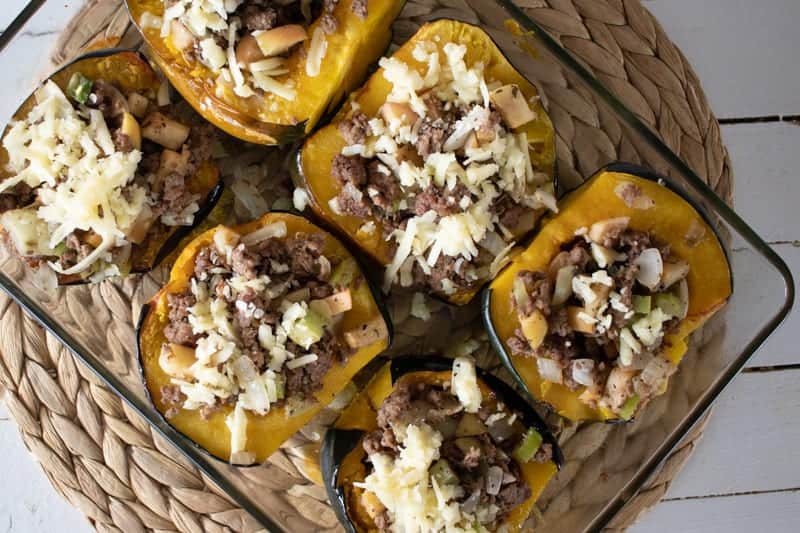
(260, 300)
(447, 161)
(475, 447)
(600, 316)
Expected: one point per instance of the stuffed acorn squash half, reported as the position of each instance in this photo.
(257, 329)
(435, 444)
(438, 165)
(100, 175)
(265, 71)
(594, 316)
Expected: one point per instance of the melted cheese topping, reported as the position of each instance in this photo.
(69, 156)
(501, 166)
(204, 18)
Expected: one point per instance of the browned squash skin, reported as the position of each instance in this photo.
(269, 120)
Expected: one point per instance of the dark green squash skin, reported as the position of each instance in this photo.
(376, 295)
(180, 232)
(486, 297)
(338, 443)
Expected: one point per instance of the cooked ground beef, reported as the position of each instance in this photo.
(305, 251)
(122, 143)
(258, 18)
(245, 262)
(328, 22)
(359, 7)
(443, 202)
(179, 305)
(349, 170)
(355, 129)
(20, 195)
(431, 136)
(108, 99)
(508, 211)
(382, 188)
(303, 381)
(539, 288)
(172, 395)
(445, 268)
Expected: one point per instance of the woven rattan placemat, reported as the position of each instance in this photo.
(106, 461)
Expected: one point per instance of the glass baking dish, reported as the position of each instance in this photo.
(602, 473)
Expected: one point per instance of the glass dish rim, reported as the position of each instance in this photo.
(202, 461)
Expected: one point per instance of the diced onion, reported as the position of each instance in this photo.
(549, 370)
(650, 268)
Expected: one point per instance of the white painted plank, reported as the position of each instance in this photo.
(773, 513)
(27, 501)
(751, 440)
(26, 56)
(766, 176)
(742, 50)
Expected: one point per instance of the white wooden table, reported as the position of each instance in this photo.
(745, 476)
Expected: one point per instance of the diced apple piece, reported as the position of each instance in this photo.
(141, 226)
(138, 104)
(333, 305)
(130, 127)
(172, 161)
(534, 328)
(397, 112)
(176, 360)
(28, 232)
(511, 103)
(164, 131)
(248, 51)
(367, 333)
(601, 296)
(279, 40)
(673, 272)
(602, 229)
(577, 321)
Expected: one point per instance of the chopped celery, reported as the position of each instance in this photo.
(308, 329)
(281, 389)
(641, 304)
(629, 407)
(443, 473)
(344, 273)
(527, 449)
(668, 303)
(79, 87)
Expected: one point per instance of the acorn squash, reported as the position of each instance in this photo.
(342, 455)
(266, 118)
(131, 73)
(668, 217)
(314, 164)
(264, 433)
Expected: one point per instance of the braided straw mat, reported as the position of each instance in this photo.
(104, 458)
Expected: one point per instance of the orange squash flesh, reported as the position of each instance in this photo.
(264, 433)
(269, 119)
(670, 220)
(361, 415)
(314, 162)
(131, 71)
